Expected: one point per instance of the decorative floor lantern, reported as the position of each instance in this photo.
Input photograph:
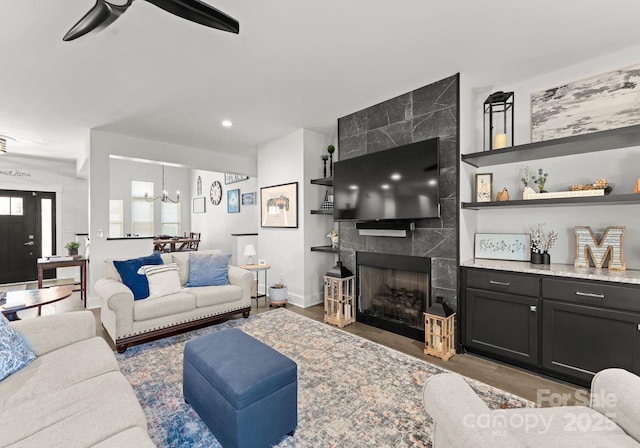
(498, 120)
(439, 330)
(339, 296)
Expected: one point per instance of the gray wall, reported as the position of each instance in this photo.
(428, 112)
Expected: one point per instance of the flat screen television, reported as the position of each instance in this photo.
(395, 184)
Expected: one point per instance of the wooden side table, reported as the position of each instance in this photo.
(257, 268)
(44, 264)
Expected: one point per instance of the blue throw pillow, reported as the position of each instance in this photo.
(15, 353)
(208, 269)
(137, 283)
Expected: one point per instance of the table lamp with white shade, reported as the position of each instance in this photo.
(249, 252)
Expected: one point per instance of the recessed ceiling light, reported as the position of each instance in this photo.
(385, 186)
(396, 176)
(227, 123)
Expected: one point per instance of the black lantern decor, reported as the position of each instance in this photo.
(498, 120)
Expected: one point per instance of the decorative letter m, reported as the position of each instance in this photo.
(610, 245)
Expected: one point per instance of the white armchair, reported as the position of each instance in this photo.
(461, 419)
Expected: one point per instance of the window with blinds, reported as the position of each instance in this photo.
(141, 210)
(170, 217)
(116, 218)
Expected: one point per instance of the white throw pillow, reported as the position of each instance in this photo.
(163, 279)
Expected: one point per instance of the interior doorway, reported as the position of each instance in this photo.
(27, 232)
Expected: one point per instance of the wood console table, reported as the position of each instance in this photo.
(44, 264)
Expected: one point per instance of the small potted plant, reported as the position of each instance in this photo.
(540, 180)
(525, 178)
(72, 247)
(278, 294)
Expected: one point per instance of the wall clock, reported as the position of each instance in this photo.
(215, 193)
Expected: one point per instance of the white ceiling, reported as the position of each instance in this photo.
(295, 64)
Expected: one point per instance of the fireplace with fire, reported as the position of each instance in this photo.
(393, 292)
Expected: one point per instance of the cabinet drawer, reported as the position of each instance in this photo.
(527, 285)
(592, 293)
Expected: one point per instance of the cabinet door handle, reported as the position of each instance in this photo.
(494, 282)
(533, 308)
(590, 294)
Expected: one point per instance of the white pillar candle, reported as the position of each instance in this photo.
(500, 141)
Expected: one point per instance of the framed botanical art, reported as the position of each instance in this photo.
(233, 201)
(279, 206)
(199, 205)
(484, 187)
(503, 246)
(249, 198)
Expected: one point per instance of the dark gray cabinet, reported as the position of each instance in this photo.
(589, 326)
(562, 327)
(503, 324)
(501, 314)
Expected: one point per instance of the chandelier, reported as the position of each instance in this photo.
(165, 196)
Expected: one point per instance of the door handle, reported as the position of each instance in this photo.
(533, 308)
(29, 243)
(590, 294)
(589, 298)
(496, 283)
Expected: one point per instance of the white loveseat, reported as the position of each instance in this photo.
(131, 322)
(73, 394)
(462, 420)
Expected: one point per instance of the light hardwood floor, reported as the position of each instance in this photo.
(511, 379)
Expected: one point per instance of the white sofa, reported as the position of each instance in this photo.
(73, 394)
(462, 420)
(131, 322)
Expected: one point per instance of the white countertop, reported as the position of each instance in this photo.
(558, 270)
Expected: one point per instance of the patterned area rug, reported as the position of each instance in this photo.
(351, 392)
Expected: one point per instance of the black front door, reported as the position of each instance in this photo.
(22, 215)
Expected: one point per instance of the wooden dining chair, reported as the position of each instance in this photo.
(193, 245)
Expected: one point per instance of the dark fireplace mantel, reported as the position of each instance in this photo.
(392, 292)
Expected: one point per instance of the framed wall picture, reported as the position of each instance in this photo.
(249, 198)
(279, 206)
(233, 201)
(484, 187)
(503, 246)
(199, 205)
(597, 103)
(230, 178)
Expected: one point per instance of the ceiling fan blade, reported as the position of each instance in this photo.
(199, 12)
(99, 17)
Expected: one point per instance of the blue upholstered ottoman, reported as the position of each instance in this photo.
(245, 391)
